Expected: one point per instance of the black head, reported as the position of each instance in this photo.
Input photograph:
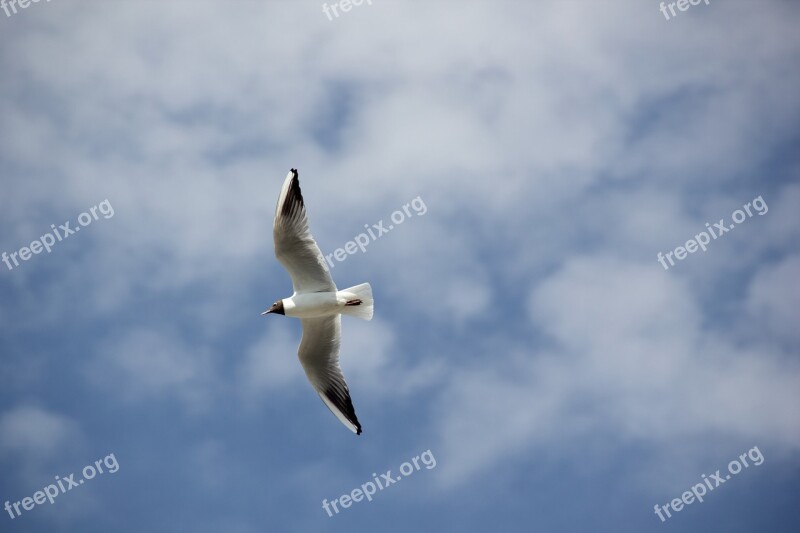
(276, 308)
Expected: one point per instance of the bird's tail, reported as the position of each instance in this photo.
(359, 301)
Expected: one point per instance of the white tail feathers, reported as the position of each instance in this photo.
(361, 292)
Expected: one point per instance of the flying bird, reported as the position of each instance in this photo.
(316, 302)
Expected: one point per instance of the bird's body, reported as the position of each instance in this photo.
(313, 305)
(316, 302)
(319, 304)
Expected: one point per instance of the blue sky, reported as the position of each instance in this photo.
(525, 332)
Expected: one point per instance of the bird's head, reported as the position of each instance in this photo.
(276, 308)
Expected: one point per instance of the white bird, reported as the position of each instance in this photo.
(316, 302)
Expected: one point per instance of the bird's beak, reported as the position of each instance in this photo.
(277, 308)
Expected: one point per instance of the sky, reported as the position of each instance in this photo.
(585, 318)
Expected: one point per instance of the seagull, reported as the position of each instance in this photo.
(316, 302)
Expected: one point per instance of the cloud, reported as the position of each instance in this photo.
(28, 430)
(524, 317)
(144, 365)
(773, 300)
(372, 360)
(271, 363)
(629, 360)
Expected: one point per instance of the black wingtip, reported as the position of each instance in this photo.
(294, 198)
(340, 397)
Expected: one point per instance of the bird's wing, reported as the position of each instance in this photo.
(319, 355)
(295, 248)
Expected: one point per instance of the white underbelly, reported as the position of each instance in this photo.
(315, 304)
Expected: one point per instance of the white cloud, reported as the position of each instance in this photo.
(28, 430)
(146, 364)
(271, 363)
(631, 362)
(513, 130)
(774, 299)
(376, 368)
